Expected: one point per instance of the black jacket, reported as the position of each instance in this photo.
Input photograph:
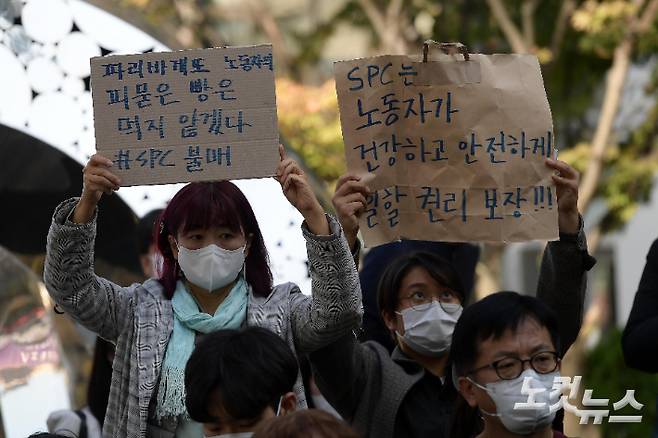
(640, 340)
(371, 388)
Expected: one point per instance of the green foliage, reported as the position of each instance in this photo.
(627, 182)
(607, 375)
(574, 72)
(308, 120)
(603, 24)
(629, 168)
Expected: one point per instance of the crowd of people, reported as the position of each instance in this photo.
(210, 347)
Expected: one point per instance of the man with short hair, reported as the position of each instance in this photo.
(504, 348)
(235, 379)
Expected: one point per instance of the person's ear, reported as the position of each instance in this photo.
(467, 390)
(288, 403)
(250, 238)
(173, 246)
(147, 265)
(391, 321)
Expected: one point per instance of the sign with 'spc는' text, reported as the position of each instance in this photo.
(190, 115)
(452, 150)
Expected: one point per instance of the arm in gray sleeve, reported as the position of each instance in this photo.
(334, 309)
(98, 304)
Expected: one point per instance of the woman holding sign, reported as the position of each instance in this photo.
(409, 393)
(215, 276)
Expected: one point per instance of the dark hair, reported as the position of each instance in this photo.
(462, 256)
(437, 267)
(206, 204)
(305, 423)
(250, 369)
(47, 435)
(146, 230)
(491, 317)
(306, 372)
(98, 389)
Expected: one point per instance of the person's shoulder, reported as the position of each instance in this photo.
(288, 291)
(653, 251)
(376, 347)
(283, 292)
(150, 290)
(386, 360)
(287, 288)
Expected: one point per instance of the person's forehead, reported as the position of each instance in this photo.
(528, 335)
(418, 276)
(211, 229)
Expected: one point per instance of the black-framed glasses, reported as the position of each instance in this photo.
(447, 299)
(509, 368)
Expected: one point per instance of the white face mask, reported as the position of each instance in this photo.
(507, 393)
(429, 331)
(211, 267)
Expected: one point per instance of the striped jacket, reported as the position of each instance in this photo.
(139, 319)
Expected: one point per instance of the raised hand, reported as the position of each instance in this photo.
(350, 202)
(566, 183)
(297, 190)
(97, 178)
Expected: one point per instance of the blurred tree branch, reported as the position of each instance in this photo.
(566, 11)
(258, 13)
(637, 25)
(528, 8)
(510, 30)
(388, 25)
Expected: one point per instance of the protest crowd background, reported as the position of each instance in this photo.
(416, 234)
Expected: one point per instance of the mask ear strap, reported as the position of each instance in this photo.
(487, 390)
(488, 414)
(482, 387)
(278, 408)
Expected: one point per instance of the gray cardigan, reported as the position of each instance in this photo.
(139, 319)
(367, 385)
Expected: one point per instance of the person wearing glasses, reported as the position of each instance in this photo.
(420, 298)
(498, 361)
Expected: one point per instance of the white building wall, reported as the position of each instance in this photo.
(631, 246)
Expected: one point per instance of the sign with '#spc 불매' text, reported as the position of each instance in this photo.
(190, 115)
(452, 150)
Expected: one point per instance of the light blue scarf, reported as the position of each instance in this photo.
(231, 314)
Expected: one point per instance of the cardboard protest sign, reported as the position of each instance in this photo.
(453, 149)
(190, 115)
